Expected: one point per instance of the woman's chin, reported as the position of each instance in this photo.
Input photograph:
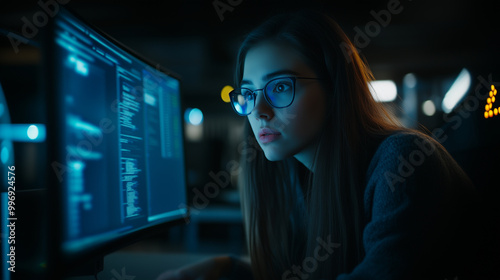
(273, 156)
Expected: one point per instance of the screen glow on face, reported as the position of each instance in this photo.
(288, 81)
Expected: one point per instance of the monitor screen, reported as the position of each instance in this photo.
(120, 151)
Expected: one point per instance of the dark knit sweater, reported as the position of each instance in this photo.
(421, 212)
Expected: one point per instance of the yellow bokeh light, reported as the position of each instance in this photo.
(489, 112)
(224, 94)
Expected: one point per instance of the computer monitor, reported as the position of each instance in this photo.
(116, 144)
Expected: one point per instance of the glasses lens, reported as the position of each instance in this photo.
(242, 101)
(280, 92)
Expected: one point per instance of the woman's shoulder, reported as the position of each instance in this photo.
(407, 140)
(412, 155)
(418, 205)
(409, 146)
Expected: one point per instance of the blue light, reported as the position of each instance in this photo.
(149, 99)
(32, 132)
(76, 123)
(193, 116)
(77, 165)
(4, 155)
(457, 91)
(80, 66)
(238, 107)
(23, 132)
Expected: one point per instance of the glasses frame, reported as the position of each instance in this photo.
(253, 92)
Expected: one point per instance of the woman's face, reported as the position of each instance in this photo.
(291, 131)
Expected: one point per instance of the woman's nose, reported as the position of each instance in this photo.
(262, 108)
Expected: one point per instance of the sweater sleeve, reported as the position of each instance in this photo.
(415, 197)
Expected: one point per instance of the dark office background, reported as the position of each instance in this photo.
(432, 40)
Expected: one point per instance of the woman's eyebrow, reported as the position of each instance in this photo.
(272, 75)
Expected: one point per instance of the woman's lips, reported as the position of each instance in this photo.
(267, 135)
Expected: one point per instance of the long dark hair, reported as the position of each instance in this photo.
(276, 238)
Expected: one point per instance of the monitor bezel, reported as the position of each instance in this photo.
(60, 263)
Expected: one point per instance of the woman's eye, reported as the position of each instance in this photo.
(248, 95)
(279, 88)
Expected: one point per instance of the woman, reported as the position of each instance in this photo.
(337, 189)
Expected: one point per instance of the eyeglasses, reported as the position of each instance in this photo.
(279, 93)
